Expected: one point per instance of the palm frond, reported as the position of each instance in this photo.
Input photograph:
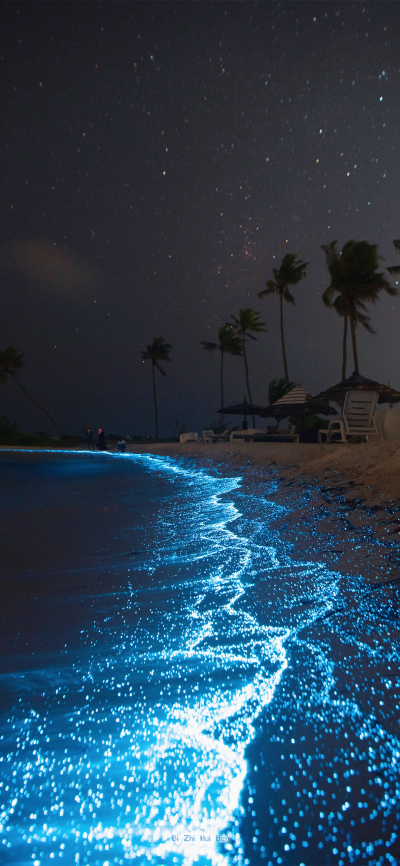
(157, 351)
(270, 289)
(288, 296)
(10, 360)
(330, 253)
(328, 295)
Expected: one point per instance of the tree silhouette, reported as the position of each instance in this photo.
(355, 282)
(247, 323)
(158, 351)
(10, 361)
(230, 342)
(288, 274)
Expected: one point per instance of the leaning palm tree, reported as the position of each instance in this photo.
(228, 341)
(156, 352)
(354, 283)
(247, 323)
(10, 361)
(288, 274)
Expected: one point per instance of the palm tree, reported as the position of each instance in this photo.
(10, 361)
(355, 282)
(156, 352)
(228, 342)
(288, 274)
(247, 323)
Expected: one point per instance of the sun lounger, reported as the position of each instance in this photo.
(223, 437)
(357, 419)
(207, 436)
(188, 437)
(254, 435)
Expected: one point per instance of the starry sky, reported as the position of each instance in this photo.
(159, 159)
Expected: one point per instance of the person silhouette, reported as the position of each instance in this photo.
(89, 438)
(101, 442)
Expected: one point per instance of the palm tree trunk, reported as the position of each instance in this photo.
(353, 340)
(35, 402)
(155, 400)
(344, 360)
(222, 385)
(247, 377)
(283, 340)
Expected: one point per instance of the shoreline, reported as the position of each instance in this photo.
(370, 471)
(330, 513)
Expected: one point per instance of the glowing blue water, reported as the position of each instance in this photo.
(148, 653)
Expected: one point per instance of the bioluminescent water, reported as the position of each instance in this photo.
(177, 686)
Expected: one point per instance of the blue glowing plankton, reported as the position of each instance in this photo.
(179, 687)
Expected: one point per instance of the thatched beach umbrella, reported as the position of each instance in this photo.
(244, 409)
(298, 403)
(356, 382)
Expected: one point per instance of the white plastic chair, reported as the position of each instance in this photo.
(357, 418)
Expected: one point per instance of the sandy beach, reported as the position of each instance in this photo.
(371, 471)
(366, 476)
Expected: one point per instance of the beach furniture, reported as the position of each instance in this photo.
(207, 436)
(356, 382)
(254, 435)
(244, 409)
(188, 437)
(246, 434)
(296, 404)
(224, 436)
(282, 435)
(357, 418)
(391, 424)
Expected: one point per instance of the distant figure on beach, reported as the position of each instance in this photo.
(101, 442)
(89, 438)
(122, 444)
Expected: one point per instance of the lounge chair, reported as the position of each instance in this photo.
(357, 419)
(246, 434)
(282, 435)
(223, 437)
(207, 436)
(254, 435)
(188, 437)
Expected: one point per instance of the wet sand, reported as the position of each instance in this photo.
(371, 470)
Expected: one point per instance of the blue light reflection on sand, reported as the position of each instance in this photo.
(159, 768)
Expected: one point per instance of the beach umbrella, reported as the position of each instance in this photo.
(244, 409)
(299, 403)
(355, 382)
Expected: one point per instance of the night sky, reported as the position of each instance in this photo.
(158, 160)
